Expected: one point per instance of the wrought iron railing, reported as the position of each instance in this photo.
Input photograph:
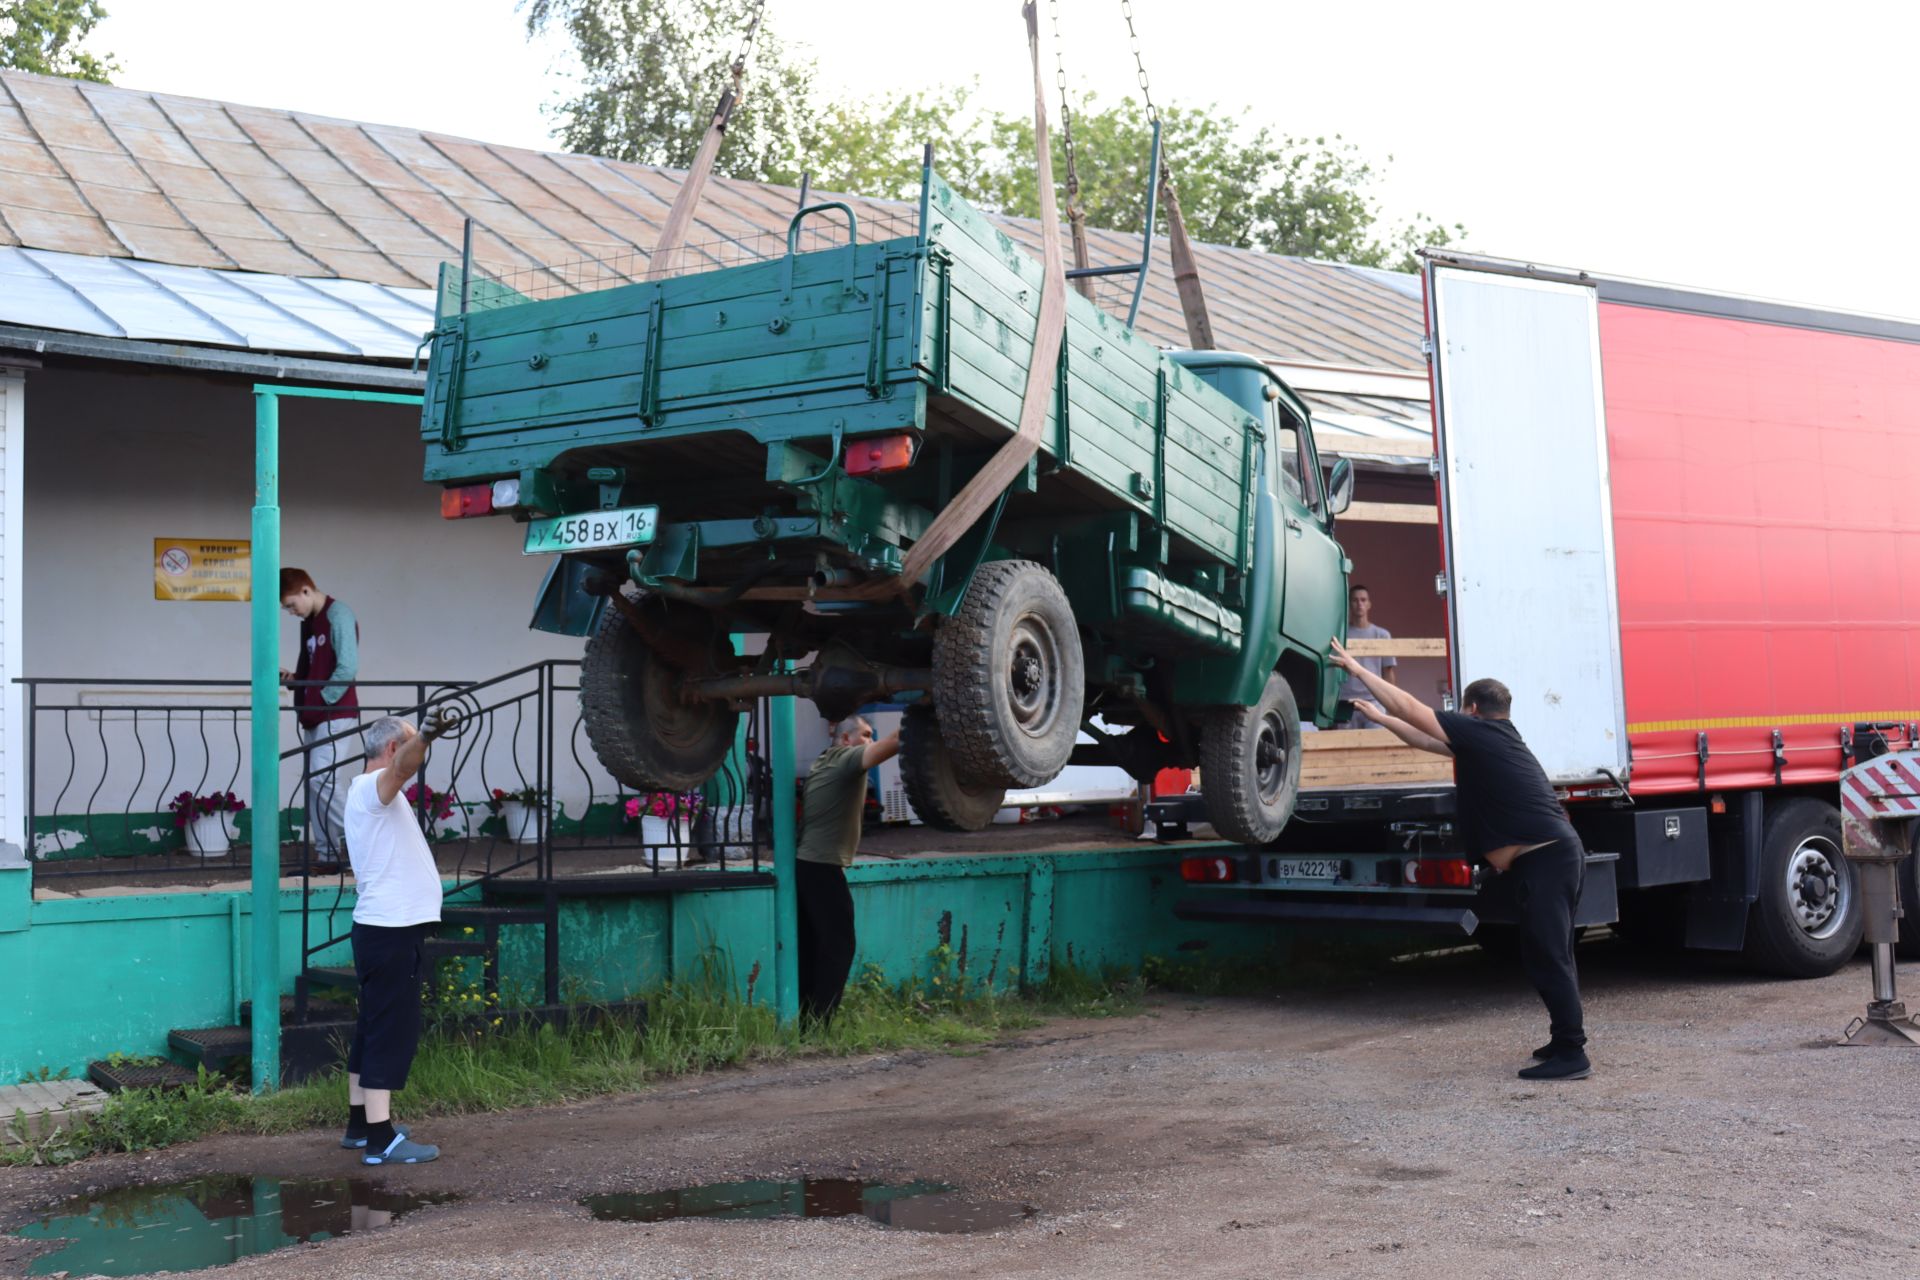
(106, 757)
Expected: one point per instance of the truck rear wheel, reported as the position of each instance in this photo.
(1806, 922)
(1250, 765)
(944, 800)
(644, 733)
(1009, 677)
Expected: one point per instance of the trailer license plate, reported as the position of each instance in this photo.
(1303, 869)
(592, 531)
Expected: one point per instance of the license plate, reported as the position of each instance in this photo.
(592, 531)
(1303, 869)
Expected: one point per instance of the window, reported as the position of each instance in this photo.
(1297, 476)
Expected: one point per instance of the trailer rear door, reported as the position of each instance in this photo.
(1527, 522)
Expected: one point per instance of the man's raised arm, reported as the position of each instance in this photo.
(1396, 700)
(1402, 730)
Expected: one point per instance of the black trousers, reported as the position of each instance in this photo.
(826, 937)
(386, 1033)
(1546, 888)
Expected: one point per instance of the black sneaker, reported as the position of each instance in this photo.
(1568, 1066)
(1552, 1049)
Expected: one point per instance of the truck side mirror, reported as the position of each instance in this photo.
(1340, 486)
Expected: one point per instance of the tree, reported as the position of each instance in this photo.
(44, 36)
(1245, 189)
(652, 70)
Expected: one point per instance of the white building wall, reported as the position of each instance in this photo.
(123, 457)
(13, 769)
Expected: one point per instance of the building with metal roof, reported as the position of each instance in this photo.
(159, 254)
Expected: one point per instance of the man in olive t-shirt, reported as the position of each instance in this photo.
(834, 802)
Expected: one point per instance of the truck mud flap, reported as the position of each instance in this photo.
(1599, 896)
(1388, 915)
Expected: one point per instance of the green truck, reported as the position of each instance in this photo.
(759, 448)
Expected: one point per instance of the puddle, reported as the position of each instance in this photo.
(906, 1206)
(208, 1222)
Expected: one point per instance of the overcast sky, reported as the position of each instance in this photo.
(1758, 148)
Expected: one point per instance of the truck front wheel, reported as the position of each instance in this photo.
(645, 734)
(943, 799)
(1807, 920)
(1250, 765)
(1009, 676)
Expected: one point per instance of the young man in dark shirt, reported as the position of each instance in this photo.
(833, 803)
(1508, 815)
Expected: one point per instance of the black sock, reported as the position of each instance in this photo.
(380, 1135)
(356, 1121)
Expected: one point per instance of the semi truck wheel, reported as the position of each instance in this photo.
(944, 800)
(644, 733)
(1009, 677)
(1250, 765)
(1806, 922)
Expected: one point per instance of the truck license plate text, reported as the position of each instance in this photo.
(592, 530)
(1303, 869)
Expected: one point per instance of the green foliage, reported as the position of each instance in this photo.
(651, 72)
(1240, 186)
(44, 1075)
(45, 36)
(653, 69)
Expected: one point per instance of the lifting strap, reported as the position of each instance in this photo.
(1186, 270)
(680, 216)
(1011, 458)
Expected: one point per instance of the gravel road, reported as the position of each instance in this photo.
(1369, 1129)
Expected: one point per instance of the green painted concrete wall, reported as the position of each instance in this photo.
(91, 976)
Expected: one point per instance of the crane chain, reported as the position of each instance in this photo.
(1139, 63)
(746, 41)
(1066, 112)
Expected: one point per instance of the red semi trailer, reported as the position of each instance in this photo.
(1685, 529)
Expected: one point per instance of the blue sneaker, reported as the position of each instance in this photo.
(359, 1144)
(403, 1150)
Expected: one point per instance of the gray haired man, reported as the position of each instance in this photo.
(834, 802)
(397, 909)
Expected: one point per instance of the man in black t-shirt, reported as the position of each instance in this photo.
(1510, 817)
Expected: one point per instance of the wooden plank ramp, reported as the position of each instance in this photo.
(1337, 758)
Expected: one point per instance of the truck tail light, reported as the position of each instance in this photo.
(466, 500)
(1209, 870)
(882, 453)
(1439, 873)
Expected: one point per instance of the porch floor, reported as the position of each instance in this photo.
(184, 873)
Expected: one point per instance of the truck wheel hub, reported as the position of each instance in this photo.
(1815, 887)
(1032, 685)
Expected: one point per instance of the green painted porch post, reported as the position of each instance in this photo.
(786, 901)
(266, 740)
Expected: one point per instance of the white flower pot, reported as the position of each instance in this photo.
(211, 834)
(523, 821)
(662, 841)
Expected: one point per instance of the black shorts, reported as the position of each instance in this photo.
(390, 966)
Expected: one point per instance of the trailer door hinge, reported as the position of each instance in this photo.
(1426, 345)
(1439, 584)
(1433, 465)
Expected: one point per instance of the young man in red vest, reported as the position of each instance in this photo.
(330, 652)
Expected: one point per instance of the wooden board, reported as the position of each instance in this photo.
(1392, 513)
(1398, 648)
(1338, 758)
(1328, 442)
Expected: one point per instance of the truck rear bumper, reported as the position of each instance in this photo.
(1446, 919)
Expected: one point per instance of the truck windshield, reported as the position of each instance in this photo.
(1297, 475)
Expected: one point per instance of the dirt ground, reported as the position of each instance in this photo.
(1371, 1129)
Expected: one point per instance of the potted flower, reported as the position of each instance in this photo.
(437, 805)
(205, 821)
(664, 817)
(520, 810)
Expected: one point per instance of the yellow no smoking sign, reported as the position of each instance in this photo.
(202, 569)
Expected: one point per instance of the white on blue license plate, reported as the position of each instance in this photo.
(592, 531)
(1303, 868)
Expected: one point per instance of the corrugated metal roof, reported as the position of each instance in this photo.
(162, 302)
(315, 232)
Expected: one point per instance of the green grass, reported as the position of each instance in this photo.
(694, 1027)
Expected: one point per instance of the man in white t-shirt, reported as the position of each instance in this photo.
(397, 910)
(1360, 627)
